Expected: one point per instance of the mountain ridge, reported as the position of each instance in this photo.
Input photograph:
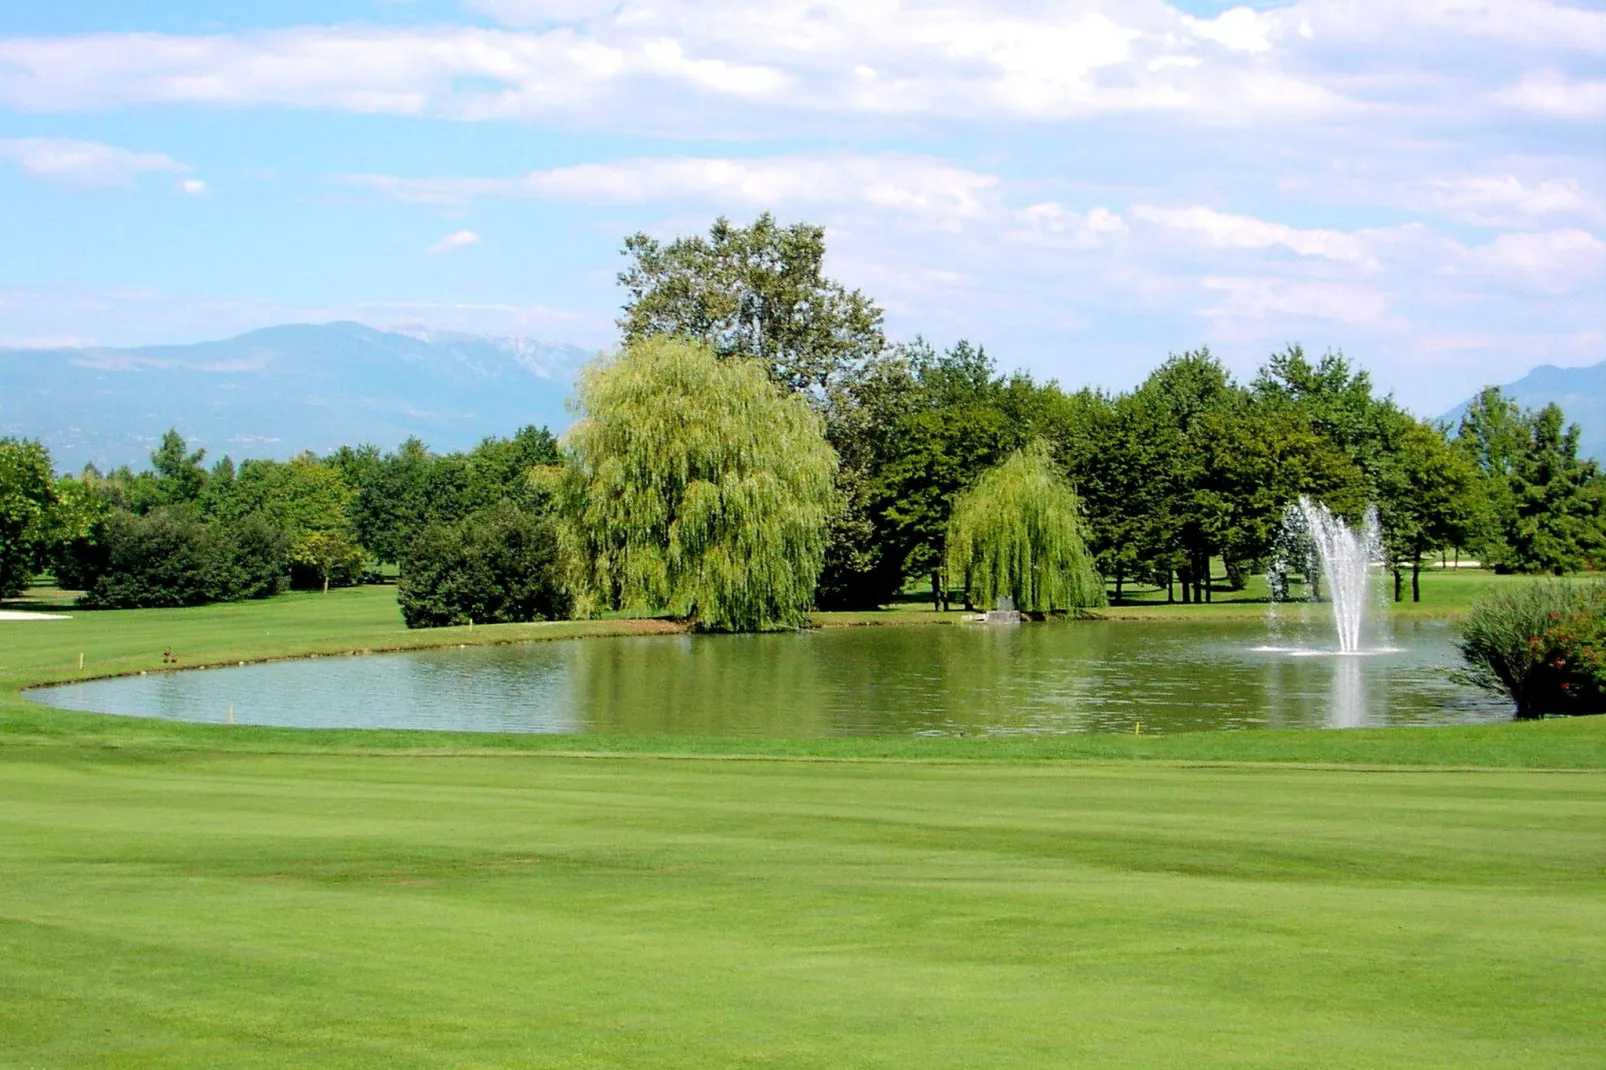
(1580, 391)
(284, 389)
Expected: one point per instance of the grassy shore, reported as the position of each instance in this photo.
(365, 619)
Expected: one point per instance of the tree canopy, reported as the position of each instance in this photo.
(1018, 532)
(758, 291)
(696, 487)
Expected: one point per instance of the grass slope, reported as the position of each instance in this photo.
(289, 910)
(205, 896)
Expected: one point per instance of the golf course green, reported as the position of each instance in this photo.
(206, 895)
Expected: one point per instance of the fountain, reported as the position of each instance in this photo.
(1330, 552)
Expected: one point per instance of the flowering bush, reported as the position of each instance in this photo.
(1543, 645)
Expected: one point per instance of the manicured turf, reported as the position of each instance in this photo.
(214, 896)
(338, 911)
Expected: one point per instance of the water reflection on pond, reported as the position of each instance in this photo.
(1041, 679)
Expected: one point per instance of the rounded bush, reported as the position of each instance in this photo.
(1543, 645)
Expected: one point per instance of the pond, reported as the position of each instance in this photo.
(1098, 676)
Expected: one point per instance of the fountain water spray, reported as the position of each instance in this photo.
(1334, 555)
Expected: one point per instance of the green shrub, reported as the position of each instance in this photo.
(170, 557)
(497, 566)
(262, 553)
(1543, 645)
(165, 558)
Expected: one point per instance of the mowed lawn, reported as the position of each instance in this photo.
(207, 896)
(389, 911)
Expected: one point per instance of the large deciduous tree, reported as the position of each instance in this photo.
(27, 499)
(1546, 505)
(1429, 496)
(1019, 532)
(758, 291)
(696, 487)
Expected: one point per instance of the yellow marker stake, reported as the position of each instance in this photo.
(80, 663)
(1137, 728)
(231, 715)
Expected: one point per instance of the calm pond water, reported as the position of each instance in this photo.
(943, 680)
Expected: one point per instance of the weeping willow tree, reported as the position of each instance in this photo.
(697, 487)
(1018, 532)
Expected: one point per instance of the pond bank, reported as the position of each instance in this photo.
(302, 625)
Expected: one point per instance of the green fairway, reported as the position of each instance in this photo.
(503, 911)
(212, 896)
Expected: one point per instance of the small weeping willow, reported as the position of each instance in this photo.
(697, 487)
(1018, 532)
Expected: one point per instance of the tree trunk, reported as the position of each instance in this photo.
(1119, 576)
(1204, 570)
(1416, 581)
(936, 591)
(1170, 586)
(1398, 579)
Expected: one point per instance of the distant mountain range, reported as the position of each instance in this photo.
(1581, 393)
(282, 390)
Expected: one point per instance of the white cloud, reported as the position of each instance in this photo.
(1557, 261)
(194, 187)
(1246, 232)
(461, 239)
(1259, 299)
(1556, 95)
(641, 63)
(912, 185)
(1498, 200)
(82, 163)
(1241, 29)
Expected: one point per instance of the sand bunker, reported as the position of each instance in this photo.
(14, 614)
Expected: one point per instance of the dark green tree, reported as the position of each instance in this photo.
(1430, 496)
(27, 500)
(758, 292)
(1546, 505)
(499, 565)
(179, 474)
(166, 557)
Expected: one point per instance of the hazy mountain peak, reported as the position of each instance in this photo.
(279, 390)
(1581, 393)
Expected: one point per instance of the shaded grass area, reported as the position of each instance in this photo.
(366, 618)
(1446, 592)
(203, 910)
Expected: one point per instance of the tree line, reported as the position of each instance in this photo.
(185, 533)
(759, 446)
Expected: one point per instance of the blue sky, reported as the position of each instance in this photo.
(1081, 186)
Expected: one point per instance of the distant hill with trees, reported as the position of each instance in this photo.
(283, 390)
